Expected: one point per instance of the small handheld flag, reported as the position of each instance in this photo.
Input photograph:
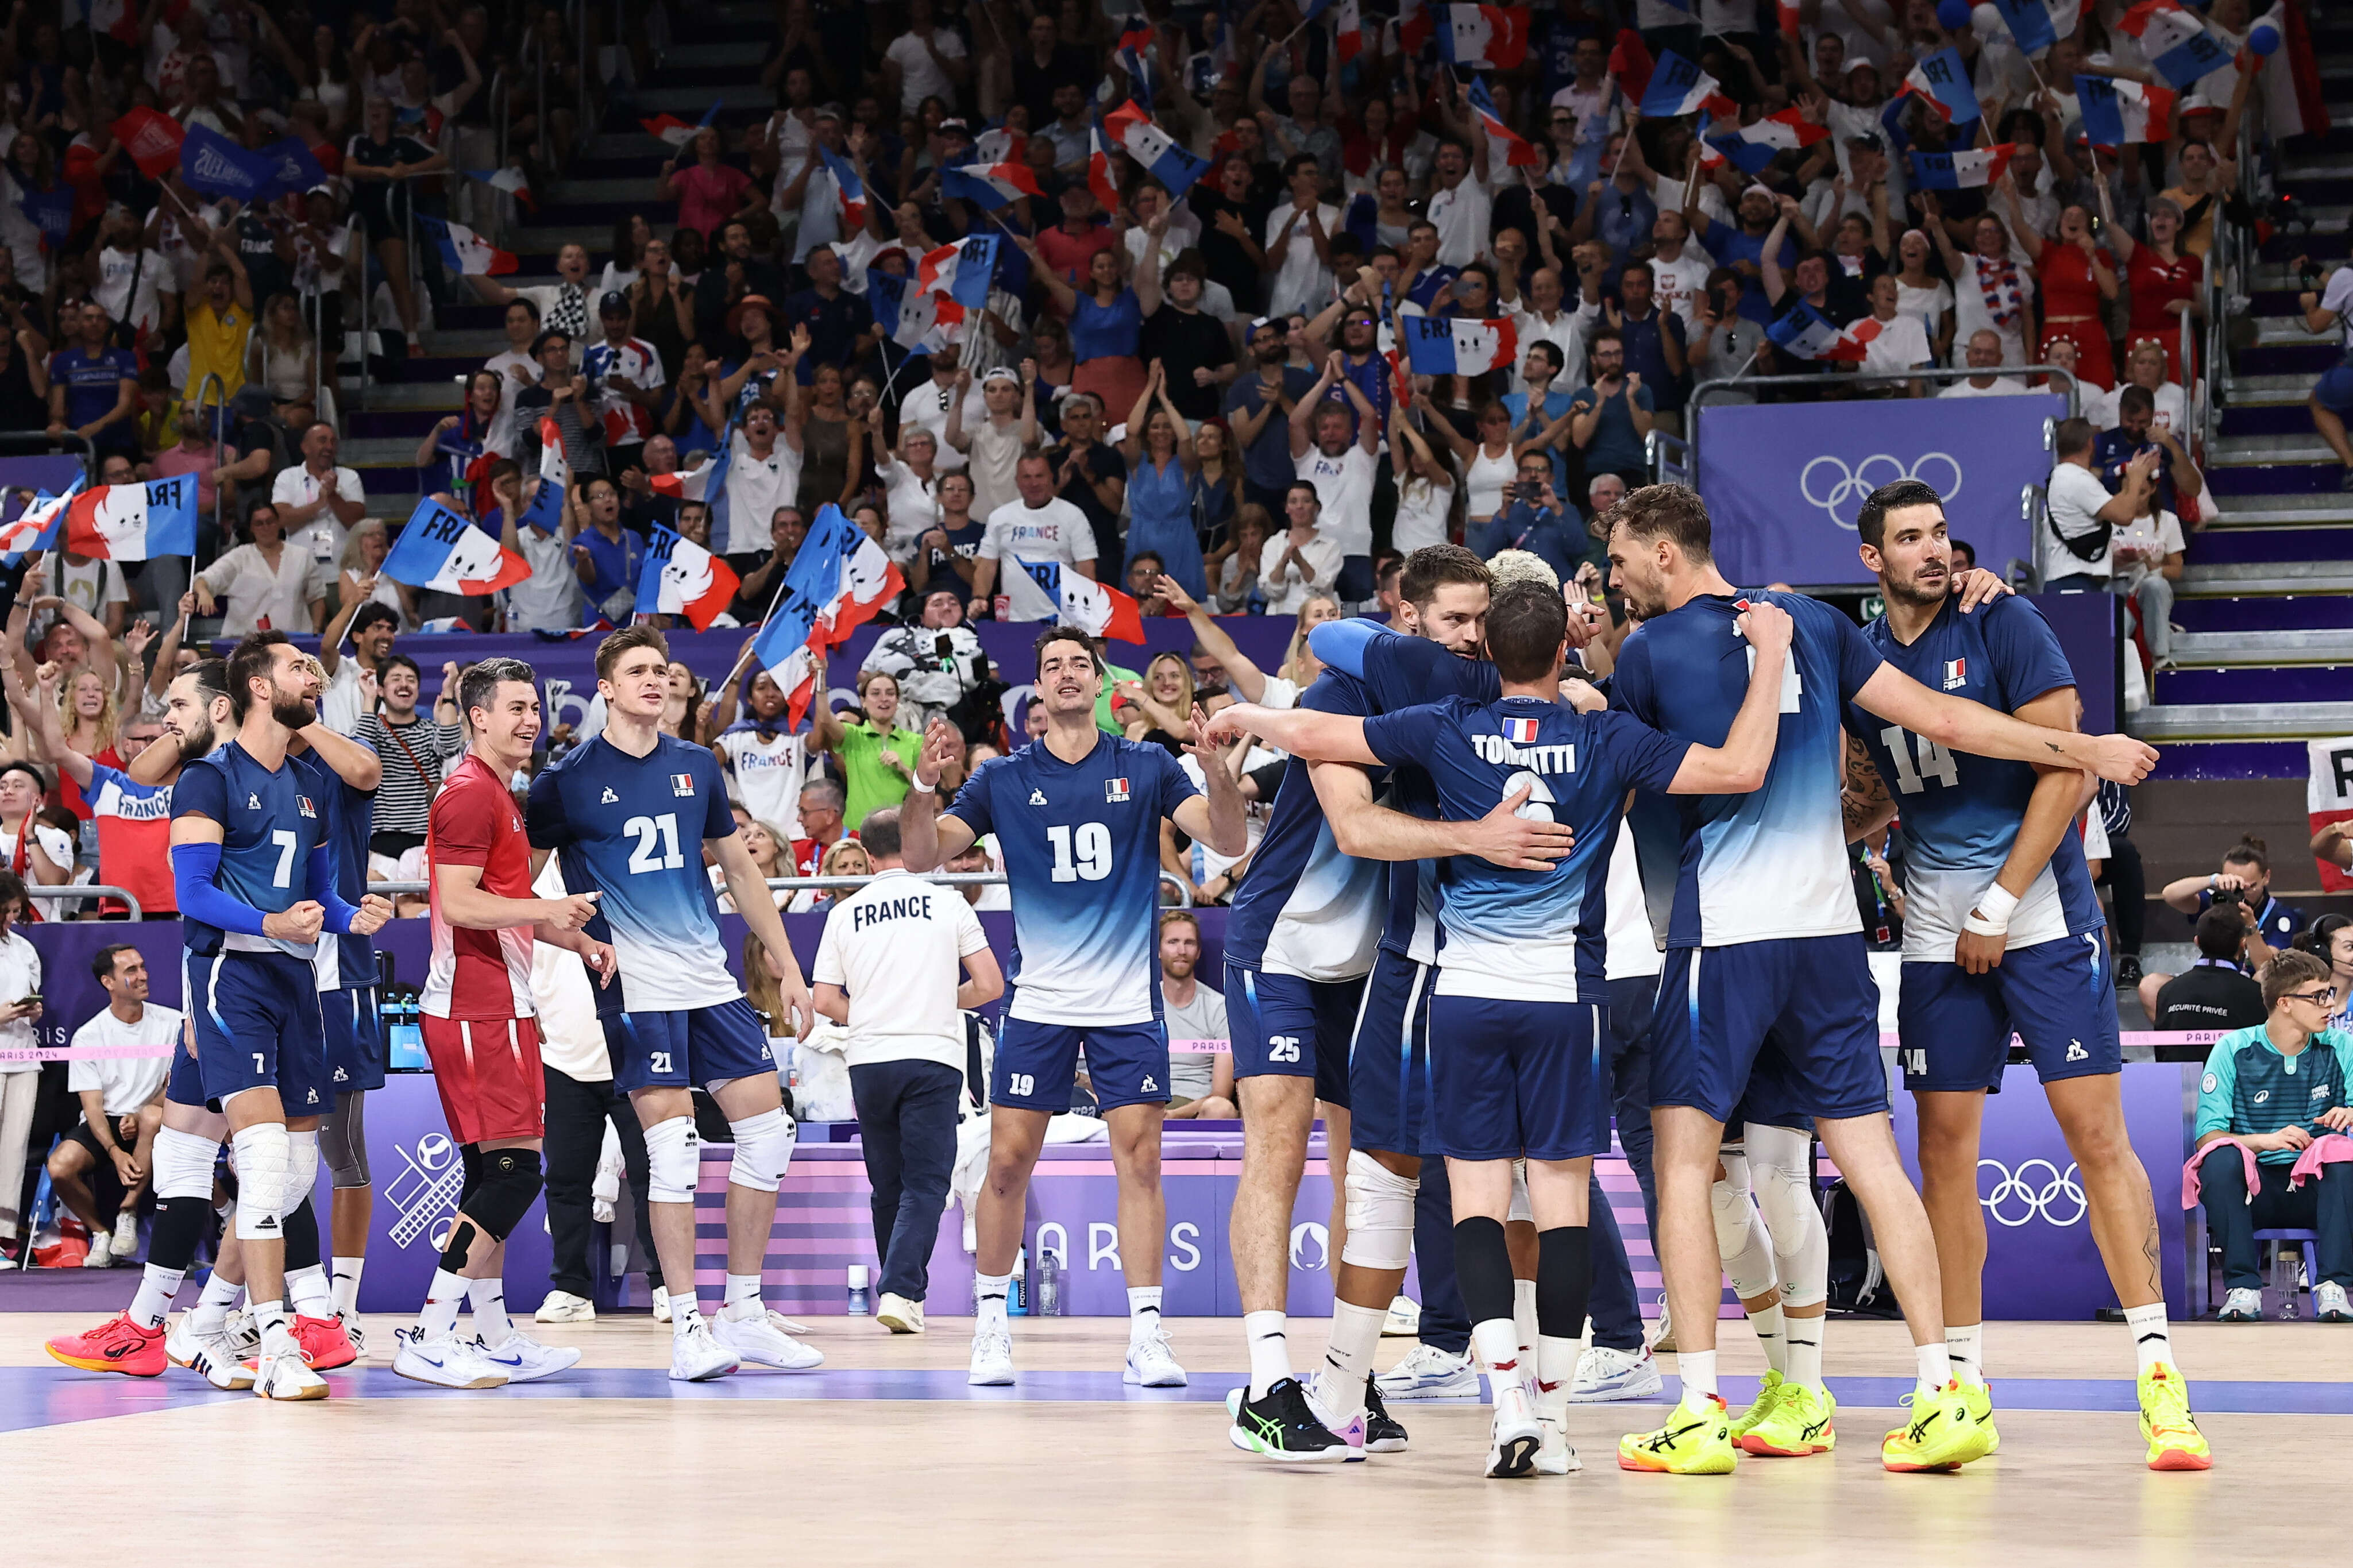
(464, 250)
(1518, 152)
(682, 578)
(1960, 171)
(1942, 78)
(1159, 154)
(133, 522)
(1750, 148)
(1679, 86)
(1095, 608)
(1494, 37)
(2117, 111)
(444, 550)
(993, 186)
(677, 131)
(1438, 345)
(514, 182)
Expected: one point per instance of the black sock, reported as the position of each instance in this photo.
(1483, 1269)
(1564, 1280)
(178, 1230)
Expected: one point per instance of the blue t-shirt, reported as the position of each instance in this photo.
(270, 821)
(1106, 331)
(1617, 445)
(1770, 864)
(1558, 536)
(1730, 243)
(619, 563)
(351, 820)
(1503, 928)
(93, 386)
(632, 828)
(1080, 847)
(1266, 462)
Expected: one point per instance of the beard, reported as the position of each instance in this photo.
(199, 740)
(1913, 590)
(294, 712)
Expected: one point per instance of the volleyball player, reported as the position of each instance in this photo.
(632, 810)
(1077, 816)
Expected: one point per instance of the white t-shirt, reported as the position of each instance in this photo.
(1303, 282)
(764, 776)
(920, 75)
(562, 993)
(1422, 508)
(116, 268)
(2075, 493)
(1345, 485)
(89, 586)
(1191, 1074)
(2146, 541)
(928, 406)
(2003, 387)
(897, 947)
(1461, 215)
(20, 967)
(549, 599)
(126, 1082)
(1930, 305)
(910, 505)
(756, 488)
(1018, 532)
(1901, 344)
(1970, 314)
(1680, 286)
(517, 371)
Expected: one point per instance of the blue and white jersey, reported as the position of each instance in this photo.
(1081, 846)
(344, 961)
(269, 820)
(1529, 936)
(1958, 814)
(632, 828)
(1399, 672)
(1771, 864)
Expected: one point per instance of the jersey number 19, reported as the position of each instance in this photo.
(1936, 762)
(1081, 853)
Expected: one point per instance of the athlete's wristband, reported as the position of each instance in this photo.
(915, 783)
(1991, 916)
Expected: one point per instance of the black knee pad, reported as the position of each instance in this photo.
(461, 1245)
(302, 1237)
(178, 1231)
(1564, 1280)
(510, 1182)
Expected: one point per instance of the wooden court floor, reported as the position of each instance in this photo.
(883, 1457)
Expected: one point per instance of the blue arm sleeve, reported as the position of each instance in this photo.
(200, 899)
(338, 916)
(1341, 643)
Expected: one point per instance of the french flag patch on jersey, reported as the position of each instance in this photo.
(303, 801)
(1957, 674)
(1114, 789)
(682, 783)
(1520, 731)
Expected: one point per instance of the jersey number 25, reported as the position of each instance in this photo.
(1936, 762)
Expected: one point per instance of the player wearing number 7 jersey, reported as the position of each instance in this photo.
(1078, 814)
(631, 810)
(1765, 979)
(2001, 931)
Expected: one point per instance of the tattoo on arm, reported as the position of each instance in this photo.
(1865, 799)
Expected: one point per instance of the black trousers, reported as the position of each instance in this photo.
(2324, 1204)
(577, 1114)
(2126, 881)
(907, 1120)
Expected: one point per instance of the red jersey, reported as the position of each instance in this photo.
(478, 974)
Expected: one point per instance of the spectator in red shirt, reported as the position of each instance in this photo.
(821, 805)
(708, 192)
(1069, 246)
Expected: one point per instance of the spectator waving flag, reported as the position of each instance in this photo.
(545, 512)
(1348, 31)
(1002, 145)
(909, 316)
(2176, 40)
(1491, 37)
(1631, 64)
(37, 527)
(211, 162)
(1942, 79)
(1133, 55)
(852, 189)
(553, 466)
(1792, 17)
(702, 482)
(1461, 345)
(682, 578)
(444, 550)
(297, 169)
(1678, 86)
(1099, 181)
(993, 186)
(1806, 333)
(677, 131)
(2117, 112)
(463, 250)
(960, 270)
(2029, 22)
(1751, 147)
(1415, 26)
(1517, 151)
(514, 182)
(133, 522)
(152, 139)
(1095, 608)
(1160, 153)
(1960, 171)
(837, 582)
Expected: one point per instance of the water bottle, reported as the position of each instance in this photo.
(2287, 1267)
(1016, 1295)
(860, 1305)
(1049, 1286)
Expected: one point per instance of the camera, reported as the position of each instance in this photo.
(2234, 897)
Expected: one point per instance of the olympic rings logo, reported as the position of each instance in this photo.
(2059, 1200)
(1850, 487)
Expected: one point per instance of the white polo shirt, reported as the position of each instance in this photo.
(757, 487)
(125, 1082)
(896, 946)
(1345, 486)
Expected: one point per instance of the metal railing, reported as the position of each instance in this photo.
(794, 884)
(89, 890)
(212, 378)
(1669, 459)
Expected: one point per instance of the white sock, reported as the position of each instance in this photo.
(308, 1286)
(439, 1320)
(2151, 1341)
(743, 1302)
(1348, 1359)
(1497, 1341)
(1143, 1311)
(211, 1311)
(1556, 1374)
(1523, 1324)
(490, 1300)
(153, 1298)
(1934, 1369)
(1773, 1335)
(1270, 1352)
(346, 1271)
(1965, 1351)
(1805, 1339)
(271, 1318)
(1697, 1370)
(991, 1315)
(685, 1312)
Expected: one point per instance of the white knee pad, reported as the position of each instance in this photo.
(265, 1181)
(1521, 1208)
(1741, 1240)
(304, 1165)
(1381, 1215)
(1785, 1191)
(764, 1150)
(184, 1165)
(674, 1158)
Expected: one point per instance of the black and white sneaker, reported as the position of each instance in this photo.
(1384, 1433)
(1283, 1427)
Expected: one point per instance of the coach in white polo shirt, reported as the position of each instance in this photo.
(319, 502)
(1041, 526)
(887, 968)
(110, 1154)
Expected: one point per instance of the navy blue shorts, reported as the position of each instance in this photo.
(702, 1046)
(186, 1084)
(1772, 1098)
(1510, 1078)
(258, 1026)
(1388, 1061)
(1799, 1014)
(2058, 996)
(1038, 1064)
(1291, 1028)
(355, 1038)
(2334, 391)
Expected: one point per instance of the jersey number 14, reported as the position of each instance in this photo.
(1934, 761)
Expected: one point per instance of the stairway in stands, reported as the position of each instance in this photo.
(612, 174)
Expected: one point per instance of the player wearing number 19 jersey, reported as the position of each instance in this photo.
(2002, 932)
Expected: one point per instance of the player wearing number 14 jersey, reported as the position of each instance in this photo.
(2002, 932)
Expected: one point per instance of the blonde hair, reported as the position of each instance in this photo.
(364, 530)
(1523, 566)
(1184, 670)
(763, 990)
(109, 714)
(838, 851)
(782, 843)
(1298, 644)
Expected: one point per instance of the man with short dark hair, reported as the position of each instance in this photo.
(2078, 553)
(415, 752)
(608, 557)
(371, 626)
(1192, 346)
(121, 1058)
(2214, 992)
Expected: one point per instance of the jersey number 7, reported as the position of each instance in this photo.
(1936, 762)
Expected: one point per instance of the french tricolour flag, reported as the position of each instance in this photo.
(1751, 147)
(690, 484)
(133, 522)
(682, 578)
(2029, 24)
(1806, 333)
(1956, 673)
(910, 317)
(443, 551)
(677, 131)
(1133, 55)
(514, 182)
(1520, 731)
(993, 186)
(1943, 81)
(466, 251)
(554, 467)
(1348, 31)
(1679, 86)
(834, 585)
(1438, 345)
(1960, 171)
(1002, 145)
(37, 528)
(1154, 148)
(2176, 40)
(1096, 608)
(1494, 37)
(1099, 180)
(2117, 112)
(852, 189)
(961, 270)
(1517, 150)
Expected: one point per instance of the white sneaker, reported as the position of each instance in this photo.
(1404, 1321)
(244, 1334)
(662, 1305)
(1554, 1457)
(101, 1252)
(211, 1356)
(1514, 1435)
(1429, 1373)
(445, 1362)
(523, 1359)
(125, 1242)
(280, 1373)
(696, 1357)
(563, 1307)
(1661, 1335)
(900, 1315)
(2329, 1304)
(1604, 1374)
(354, 1332)
(761, 1343)
(2242, 1306)
(1151, 1364)
(992, 1359)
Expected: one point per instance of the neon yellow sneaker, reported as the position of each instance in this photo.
(1768, 1396)
(1980, 1399)
(1943, 1434)
(1695, 1441)
(2174, 1441)
(1798, 1424)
